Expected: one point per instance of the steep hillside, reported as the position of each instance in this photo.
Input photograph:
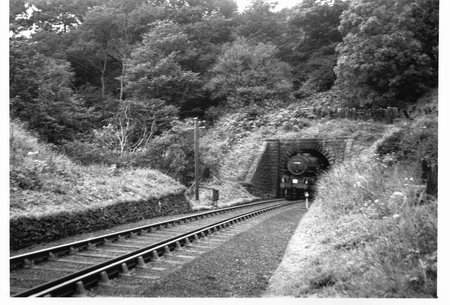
(235, 139)
(43, 182)
(372, 230)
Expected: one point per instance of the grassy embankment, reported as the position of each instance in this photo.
(43, 182)
(372, 232)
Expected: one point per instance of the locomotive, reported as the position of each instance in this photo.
(299, 176)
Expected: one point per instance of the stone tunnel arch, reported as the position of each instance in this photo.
(313, 152)
(266, 171)
(329, 156)
(315, 149)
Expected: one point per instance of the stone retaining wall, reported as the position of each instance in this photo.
(27, 231)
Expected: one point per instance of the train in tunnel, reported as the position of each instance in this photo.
(300, 175)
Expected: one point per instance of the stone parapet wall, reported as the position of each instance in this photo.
(27, 231)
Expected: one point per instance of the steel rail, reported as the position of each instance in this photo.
(78, 281)
(44, 254)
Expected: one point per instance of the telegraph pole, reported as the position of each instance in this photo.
(196, 158)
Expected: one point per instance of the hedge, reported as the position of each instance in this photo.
(27, 231)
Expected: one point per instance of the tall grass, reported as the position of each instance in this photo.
(43, 181)
(371, 232)
(27, 151)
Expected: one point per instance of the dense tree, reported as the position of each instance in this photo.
(102, 39)
(173, 152)
(250, 74)
(154, 70)
(91, 58)
(425, 26)
(381, 60)
(18, 17)
(54, 15)
(260, 23)
(314, 56)
(41, 94)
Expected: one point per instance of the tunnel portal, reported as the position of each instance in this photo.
(264, 177)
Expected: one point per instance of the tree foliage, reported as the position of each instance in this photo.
(381, 60)
(154, 69)
(172, 152)
(135, 124)
(41, 93)
(314, 55)
(249, 74)
(260, 23)
(81, 65)
(55, 15)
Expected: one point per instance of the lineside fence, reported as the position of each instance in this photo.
(387, 115)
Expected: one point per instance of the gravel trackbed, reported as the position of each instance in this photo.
(241, 267)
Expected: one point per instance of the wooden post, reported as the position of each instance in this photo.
(430, 174)
(329, 112)
(405, 112)
(432, 180)
(388, 115)
(395, 113)
(196, 159)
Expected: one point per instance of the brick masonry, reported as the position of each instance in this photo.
(265, 173)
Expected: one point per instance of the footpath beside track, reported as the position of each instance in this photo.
(82, 265)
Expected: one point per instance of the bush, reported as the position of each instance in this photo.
(172, 153)
(412, 143)
(24, 178)
(214, 113)
(27, 231)
(88, 153)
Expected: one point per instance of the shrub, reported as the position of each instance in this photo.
(214, 113)
(24, 178)
(172, 153)
(88, 153)
(412, 143)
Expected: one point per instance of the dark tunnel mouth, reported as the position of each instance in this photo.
(322, 160)
(291, 193)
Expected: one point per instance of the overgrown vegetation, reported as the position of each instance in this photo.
(372, 230)
(411, 144)
(45, 182)
(84, 71)
(111, 85)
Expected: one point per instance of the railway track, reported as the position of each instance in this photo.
(68, 270)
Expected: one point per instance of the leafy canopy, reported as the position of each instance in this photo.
(247, 74)
(382, 60)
